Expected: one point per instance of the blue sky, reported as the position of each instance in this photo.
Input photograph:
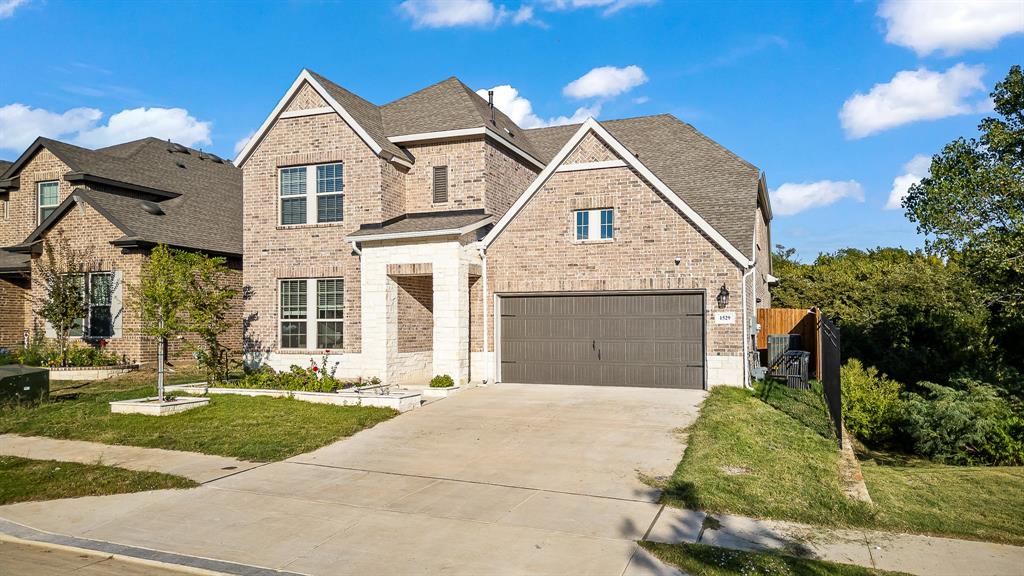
(832, 101)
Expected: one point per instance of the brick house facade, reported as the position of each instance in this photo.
(453, 215)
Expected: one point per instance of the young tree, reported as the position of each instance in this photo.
(209, 304)
(162, 300)
(61, 272)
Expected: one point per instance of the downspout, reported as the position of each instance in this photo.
(355, 248)
(483, 267)
(747, 332)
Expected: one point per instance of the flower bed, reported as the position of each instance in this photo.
(42, 353)
(400, 400)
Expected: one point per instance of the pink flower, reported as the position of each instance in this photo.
(327, 351)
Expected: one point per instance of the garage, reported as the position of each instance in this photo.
(631, 339)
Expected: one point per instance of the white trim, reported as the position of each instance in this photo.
(591, 166)
(462, 133)
(304, 76)
(615, 145)
(307, 112)
(422, 234)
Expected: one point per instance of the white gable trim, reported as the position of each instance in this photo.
(307, 112)
(636, 164)
(304, 76)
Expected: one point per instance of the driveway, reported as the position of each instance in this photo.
(509, 479)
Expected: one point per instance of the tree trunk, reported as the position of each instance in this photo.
(160, 365)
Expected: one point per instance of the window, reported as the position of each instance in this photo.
(327, 204)
(605, 231)
(313, 323)
(49, 198)
(97, 290)
(440, 184)
(4, 209)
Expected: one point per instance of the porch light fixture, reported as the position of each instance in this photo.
(723, 297)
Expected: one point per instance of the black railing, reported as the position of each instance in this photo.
(828, 338)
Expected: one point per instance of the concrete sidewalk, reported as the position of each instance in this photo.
(199, 467)
(912, 553)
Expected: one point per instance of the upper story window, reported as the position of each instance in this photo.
(440, 184)
(49, 198)
(598, 224)
(312, 323)
(312, 194)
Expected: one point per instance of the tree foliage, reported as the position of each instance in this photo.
(63, 304)
(911, 315)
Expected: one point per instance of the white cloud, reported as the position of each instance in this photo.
(793, 198)
(605, 82)
(951, 26)
(7, 7)
(20, 125)
(911, 96)
(454, 13)
(520, 110)
(641, 100)
(241, 142)
(913, 172)
(609, 7)
(165, 123)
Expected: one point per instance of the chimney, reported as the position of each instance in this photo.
(490, 102)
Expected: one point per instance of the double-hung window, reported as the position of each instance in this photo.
(97, 290)
(49, 198)
(312, 194)
(597, 224)
(312, 313)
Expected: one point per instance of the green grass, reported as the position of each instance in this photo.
(702, 560)
(260, 429)
(780, 440)
(27, 480)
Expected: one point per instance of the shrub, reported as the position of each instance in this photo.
(968, 425)
(442, 381)
(872, 406)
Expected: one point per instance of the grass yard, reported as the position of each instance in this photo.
(772, 455)
(259, 429)
(27, 480)
(701, 560)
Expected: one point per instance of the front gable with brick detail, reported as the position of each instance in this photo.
(431, 235)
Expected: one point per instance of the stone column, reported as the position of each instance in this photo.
(451, 318)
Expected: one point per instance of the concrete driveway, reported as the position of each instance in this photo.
(509, 479)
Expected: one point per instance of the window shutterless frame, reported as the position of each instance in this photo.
(313, 194)
(47, 198)
(594, 224)
(311, 313)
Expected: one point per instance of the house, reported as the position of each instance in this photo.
(432, 235)
(116, 203)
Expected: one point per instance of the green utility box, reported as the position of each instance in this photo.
(23, 384)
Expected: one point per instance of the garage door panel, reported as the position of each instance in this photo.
(611, 340)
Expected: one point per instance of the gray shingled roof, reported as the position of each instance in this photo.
(423, 222)
(4, 165)
(364, 113)
(205, 214)
(717, 184)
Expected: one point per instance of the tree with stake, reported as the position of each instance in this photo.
(162, 299)
(209, 302)
(62, 273)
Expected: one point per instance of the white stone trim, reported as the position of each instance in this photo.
(307, 112)
(591, 166)
(624, 153)
(304, 76)
(422, 234)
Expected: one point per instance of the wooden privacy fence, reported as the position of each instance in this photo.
(801, 321)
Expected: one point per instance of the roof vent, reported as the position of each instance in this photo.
(180, 164)
(175, 147)
(490, 102)
(215, 158)
(152, 207)
(509, 132)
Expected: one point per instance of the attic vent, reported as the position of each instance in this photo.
(174, 147)
(440, 184)
(180, 164)
(151, 207)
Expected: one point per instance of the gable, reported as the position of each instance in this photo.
(590, 149)
(306, 99)
(559, 164)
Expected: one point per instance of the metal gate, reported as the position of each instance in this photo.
(648, 339)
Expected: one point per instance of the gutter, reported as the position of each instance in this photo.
(483, 272)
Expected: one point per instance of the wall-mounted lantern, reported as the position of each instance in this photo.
(723, 297)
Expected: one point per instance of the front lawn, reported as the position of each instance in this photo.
(771, 454)
(701, 560)
(259, 429)
(27, 480)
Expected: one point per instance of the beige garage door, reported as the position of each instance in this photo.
(653, 340)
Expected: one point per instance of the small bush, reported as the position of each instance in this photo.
(42, 353)
(967, 425)
(442, 381)
(872, 406)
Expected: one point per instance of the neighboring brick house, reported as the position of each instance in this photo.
(118, 203)
(416, 238)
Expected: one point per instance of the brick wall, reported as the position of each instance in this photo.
(507, 177)
(764, 260)
(415, 313)
(466, 175)
(273, 252)
(24, 202)
(14, 310)
(537, 251)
